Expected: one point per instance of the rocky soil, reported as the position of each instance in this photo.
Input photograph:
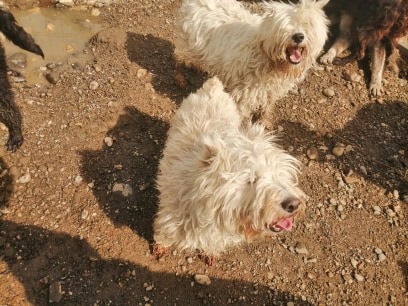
(78, 199)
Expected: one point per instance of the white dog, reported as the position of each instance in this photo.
(221, 184)
(258, 58)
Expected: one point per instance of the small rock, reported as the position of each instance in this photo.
(108, 141)
(84, 214)
(67, 2)
(25, 178)
(55, 292)
(352, 77)
(377, 210)
(381, 257)
(52, 77)
(312, 153)
(340, 208)
(328, 92)
(300, 248)
(378, 251)
(141, 73)
(202, 279)
(359, 277)
(125, 189)
(93, 85)
(354, 263)
(338, 149)
(95, 12)
(332, 201)
(78, 180)
(17, 60)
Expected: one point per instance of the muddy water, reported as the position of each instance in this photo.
(62, 35)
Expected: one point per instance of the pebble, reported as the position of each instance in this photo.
(25, 178)
(300, 248)
(390, 212)
(52, 77)
(328, 92)
(352, 77)
(95, 12)
(202, 279)
(125, 189)
(395, 193)
(359, 277)
(378, 251)
(93, 85)
(332, 201)
(340, 208)
(84, 214)
(108, 141)
(55, 292)
(377, 210)
(190, 260)
(381, 257)
(354, 263)
(141, 73)
(17, 60)
(338, 149)
(78, 180)
(67, 2)
(312, 153)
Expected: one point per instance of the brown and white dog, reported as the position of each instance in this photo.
(373, 25)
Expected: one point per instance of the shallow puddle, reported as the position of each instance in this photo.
(61, 33)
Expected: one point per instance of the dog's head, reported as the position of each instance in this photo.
(253, 183)
(293, 35)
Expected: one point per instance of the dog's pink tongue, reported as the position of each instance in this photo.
(295, 54)
(285, 224)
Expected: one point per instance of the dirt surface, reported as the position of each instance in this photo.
(78, 199)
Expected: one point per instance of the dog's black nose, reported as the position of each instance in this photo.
(298, 37)
(290, 204)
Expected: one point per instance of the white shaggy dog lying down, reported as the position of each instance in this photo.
(220, 183)
(258, 58)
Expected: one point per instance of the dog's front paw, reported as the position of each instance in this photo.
(14, 142)
(328, 58)
(375, 90)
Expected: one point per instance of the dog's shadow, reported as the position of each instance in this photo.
(123, 175)
(378, 137)
(156, 56)
(41, 259)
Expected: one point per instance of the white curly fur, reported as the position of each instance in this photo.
(220, 183)
(249, 52)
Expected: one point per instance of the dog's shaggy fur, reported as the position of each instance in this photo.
(259, 58)
(9, 111)
(376, 25)
(221, 184)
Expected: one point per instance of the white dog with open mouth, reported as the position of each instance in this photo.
(259, 58)
(220, 183)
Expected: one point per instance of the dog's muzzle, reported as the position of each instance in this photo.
(291, 206)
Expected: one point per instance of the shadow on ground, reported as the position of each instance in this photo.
(123, 175)
(156, 56)
(41, 259)
(378, 136)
